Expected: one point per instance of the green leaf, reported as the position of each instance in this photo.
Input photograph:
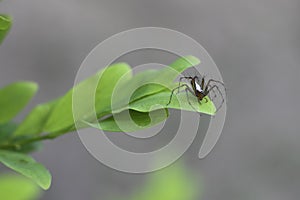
(125, 119)
(62, 115)
(35, 120)
(5, 24)
(14, 97)
(145, 98)
(27, 166)
(14, 187)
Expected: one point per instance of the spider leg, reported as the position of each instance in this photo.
(199, 101)
(203, 82)
(177, 88)
(187, 89)
(207, 89)
(215, 94)
(197, 78)
(218, 89)
(185, 77)
(210, 95)
(180, 80)
(215, 81)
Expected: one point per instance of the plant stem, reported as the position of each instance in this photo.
(27, 141)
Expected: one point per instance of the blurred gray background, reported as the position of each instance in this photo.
(255, 44)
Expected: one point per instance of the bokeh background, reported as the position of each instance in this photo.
(256, 45)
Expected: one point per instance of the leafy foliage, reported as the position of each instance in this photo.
(141, 98)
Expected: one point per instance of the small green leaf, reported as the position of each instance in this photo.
(14, 97)
(124, 119)
(62, 115)
(5, 24)
(27, 166)
(35, 120)
(14, 187)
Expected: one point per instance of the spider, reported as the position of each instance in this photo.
(199, 90)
